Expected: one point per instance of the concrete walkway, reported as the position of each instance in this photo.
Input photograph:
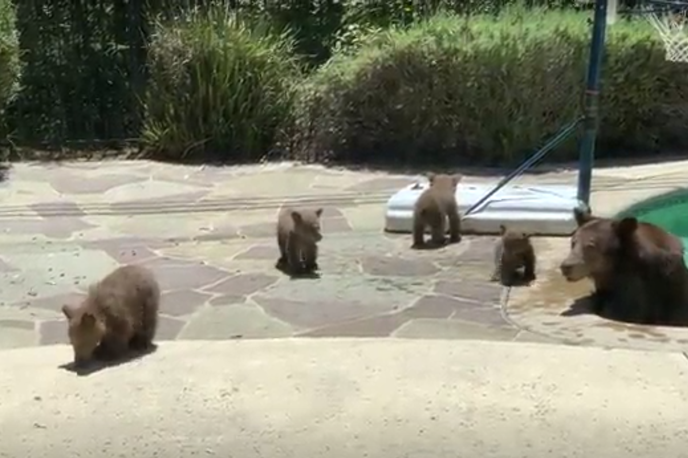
(348, 398)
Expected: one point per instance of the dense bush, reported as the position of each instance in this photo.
(486, 89)
(218, 86)
(10, 64)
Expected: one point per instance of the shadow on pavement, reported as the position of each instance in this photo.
(98, 365)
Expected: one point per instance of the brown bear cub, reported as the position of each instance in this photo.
(513, 251)
(637, 269)
(298, 234)
(434, 207)
(119, 314)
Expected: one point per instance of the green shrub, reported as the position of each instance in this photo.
(218, 86)
(485, 89)
(10, 63)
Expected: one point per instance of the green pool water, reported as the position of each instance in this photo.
(669, 212)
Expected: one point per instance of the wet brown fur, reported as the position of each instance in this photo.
(434, 207)
(119, 314)
(637, 269)
(298, 234)
(514, 251)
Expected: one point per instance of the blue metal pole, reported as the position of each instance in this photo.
(591, 102)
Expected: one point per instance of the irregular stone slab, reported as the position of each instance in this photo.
(476, 313)
(259, 230)
(394, 266)
(452, 329)
(234, 321)
(184, 302)
(481, 291)
(480, 250)
(226, 299)
(333, 295)
(168, 328)
(335, 225)
(57, 227)
(260, 253)
(312, 314)
(180, 274)
(53, 332)
(70, 183)
(433, 307)
(53, 303)
(376, 326)
(243, 284)
(59, 270)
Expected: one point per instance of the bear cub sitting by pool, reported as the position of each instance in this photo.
(119, 314)
(637, 269)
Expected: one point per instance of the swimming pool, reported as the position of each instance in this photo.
(669, 211)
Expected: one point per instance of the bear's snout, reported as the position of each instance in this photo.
(572, 271)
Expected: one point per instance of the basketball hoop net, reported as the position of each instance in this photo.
(669, 19)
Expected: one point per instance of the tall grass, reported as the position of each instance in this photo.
(219, 86)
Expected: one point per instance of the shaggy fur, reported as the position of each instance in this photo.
(637, 269)
(298, 234)
(434, 207)
(513, 251)
(119, 314)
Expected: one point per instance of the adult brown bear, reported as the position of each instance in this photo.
(637, 268)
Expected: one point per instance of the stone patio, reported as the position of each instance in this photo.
(208, 234)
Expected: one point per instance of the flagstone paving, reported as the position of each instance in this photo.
(208, 234)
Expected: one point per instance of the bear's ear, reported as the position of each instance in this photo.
(318, 212)
(502, 229)
(296, 216)
(456, 179)
(431, 177)
(582, 216)
(626, 226)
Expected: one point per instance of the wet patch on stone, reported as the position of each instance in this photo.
(375, 326)
(243, 284)
(184, 302)
(395, 266)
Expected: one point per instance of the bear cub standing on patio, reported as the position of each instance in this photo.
(637, 269)
(513, 251)
(298, 234)
(434, 207)
(119, 314)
